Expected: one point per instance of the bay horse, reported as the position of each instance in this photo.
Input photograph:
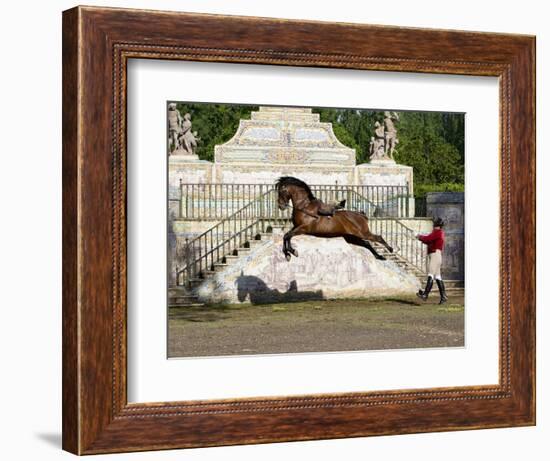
(351, 225)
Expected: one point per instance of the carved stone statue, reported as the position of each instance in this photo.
(188, 139)
(182, 141)
(174, 127)
(372, 148)
(390, 133)
(196, 139)
(377, 142)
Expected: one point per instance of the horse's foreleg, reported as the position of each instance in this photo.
(286, 243)
(287, 246)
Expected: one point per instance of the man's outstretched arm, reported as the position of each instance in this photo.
(427, 238)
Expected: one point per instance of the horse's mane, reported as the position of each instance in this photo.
(291, 181)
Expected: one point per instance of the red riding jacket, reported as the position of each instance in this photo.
(435, 240)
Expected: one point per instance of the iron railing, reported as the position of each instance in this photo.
(231, 233)
(403, 240)
(219, 201)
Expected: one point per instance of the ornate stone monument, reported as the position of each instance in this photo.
(284, 141)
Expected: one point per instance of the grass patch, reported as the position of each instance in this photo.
(451, 308)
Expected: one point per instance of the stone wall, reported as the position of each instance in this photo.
(325, 269)
(450, 207)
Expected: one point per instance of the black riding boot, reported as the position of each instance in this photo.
(423, 294)
(442, 292)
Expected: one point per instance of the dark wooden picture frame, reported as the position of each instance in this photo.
(97, 44)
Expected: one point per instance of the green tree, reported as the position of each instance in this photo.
(423, 145)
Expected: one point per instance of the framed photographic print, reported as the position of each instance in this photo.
(285, 230)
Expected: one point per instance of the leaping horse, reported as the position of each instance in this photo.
(307, 219)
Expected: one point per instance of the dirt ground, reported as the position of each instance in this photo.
(315, 326)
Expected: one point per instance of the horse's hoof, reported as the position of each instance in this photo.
(381, 258)
(287, 256)
(390, 249)
(295, 253)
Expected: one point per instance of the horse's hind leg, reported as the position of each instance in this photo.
(379, 239)
(354, 240)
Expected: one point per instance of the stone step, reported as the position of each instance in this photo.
(182, 299)
(179, 298)
(454, 283)
(279, 228)
(179, 291)
(458, 284)
(447, 287)
(453, 291)
(172, 305)
(241, 250)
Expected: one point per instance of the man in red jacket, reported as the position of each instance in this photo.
(435, 241)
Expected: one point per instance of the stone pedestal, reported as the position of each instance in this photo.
(386, 173)
(450, 207)
(189, 170)
(184, 155)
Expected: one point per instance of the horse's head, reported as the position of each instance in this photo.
(283, 198)
(291, 188)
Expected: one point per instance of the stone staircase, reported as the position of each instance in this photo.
(181, 296)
